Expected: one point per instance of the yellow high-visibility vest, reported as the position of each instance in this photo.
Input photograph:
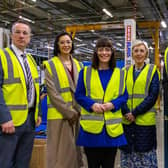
(92, 122)
(58, 72)
(14, 85)
(137, 92)
(166, 60)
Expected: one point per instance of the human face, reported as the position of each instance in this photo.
(21, 35)
(139, 54)
(104, 55)
(65, 45)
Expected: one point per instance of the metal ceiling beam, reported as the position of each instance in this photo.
(78, 28)
(149, 24)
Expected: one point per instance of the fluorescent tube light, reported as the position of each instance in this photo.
(107, 12)
(26, 19)
(163, 23)
(119, 44)
(78, 39)
(52, 48)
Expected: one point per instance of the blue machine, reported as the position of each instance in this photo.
(41, 130)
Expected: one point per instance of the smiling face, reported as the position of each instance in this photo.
(104, 55)
(65, 45)
(139, 54)
(21, 35)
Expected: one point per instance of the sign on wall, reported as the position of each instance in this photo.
(130, 35)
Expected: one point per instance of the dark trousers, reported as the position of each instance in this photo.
(16, 149)
(104, 157)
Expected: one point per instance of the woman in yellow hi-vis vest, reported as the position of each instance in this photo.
(61, 76)
(139, 122)
(101, 92)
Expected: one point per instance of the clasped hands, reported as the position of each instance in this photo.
(130, 117)
(74, 118)
(101, 108)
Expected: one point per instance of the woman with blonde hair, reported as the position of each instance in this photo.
(139, 113)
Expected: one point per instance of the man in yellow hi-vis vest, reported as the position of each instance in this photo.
(19, 99)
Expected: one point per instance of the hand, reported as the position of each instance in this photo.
(108, 106)
(42, 96)
(8, 127)
(98, 108)
(130, 117)
(74, 118)
(38, 122)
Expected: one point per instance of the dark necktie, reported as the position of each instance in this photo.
(29, 78)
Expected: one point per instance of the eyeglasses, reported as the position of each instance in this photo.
(65, 42)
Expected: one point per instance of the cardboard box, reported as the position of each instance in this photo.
(38, 159)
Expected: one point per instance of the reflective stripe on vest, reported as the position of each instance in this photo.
(91, 117)
(114, 121)
(101, 118)
(69, 104)
(17, 107)
(93, 122)
(11, 78)
(148, 79)
(56, 80)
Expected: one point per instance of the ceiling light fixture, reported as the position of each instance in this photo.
(77, 39)
(163, 23)
(107, 12)
(48, 47)
(59, 1)
(81, 45)
(26, 19)
(119, 44)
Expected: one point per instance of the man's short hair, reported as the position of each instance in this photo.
(20, 21)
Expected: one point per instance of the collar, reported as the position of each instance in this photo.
(139, 69)
(17, 51)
